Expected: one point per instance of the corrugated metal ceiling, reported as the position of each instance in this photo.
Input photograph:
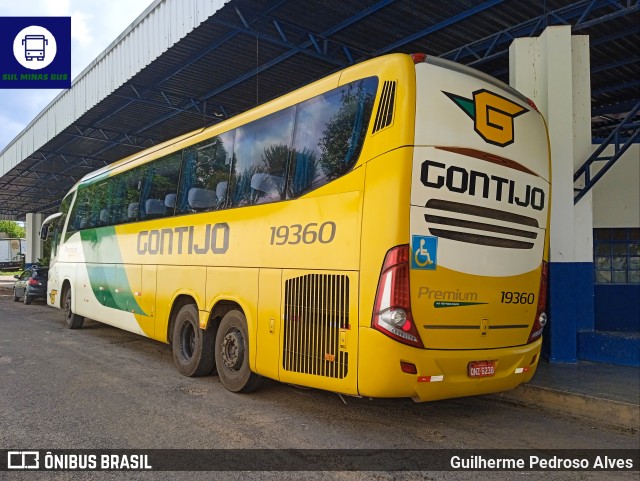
(251, 51)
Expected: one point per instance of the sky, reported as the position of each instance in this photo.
(94, 25)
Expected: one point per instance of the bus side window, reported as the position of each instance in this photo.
(159, 188)
(79, 213)
(329, 134)
(205, 174)
(124, 192)
(262, 153)
(100, 204)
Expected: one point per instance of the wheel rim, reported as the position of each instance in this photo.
(233, 350)
(187, 341)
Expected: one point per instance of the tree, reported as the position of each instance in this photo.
(12, 229)
(274, 162)
(344, 132)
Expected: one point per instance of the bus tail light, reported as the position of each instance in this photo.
(541, 313)
(392, 307)
(418, 57)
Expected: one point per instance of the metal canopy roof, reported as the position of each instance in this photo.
(251, 51)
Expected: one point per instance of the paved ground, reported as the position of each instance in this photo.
(103, 388)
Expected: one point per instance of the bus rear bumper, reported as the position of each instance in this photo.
(441, 374)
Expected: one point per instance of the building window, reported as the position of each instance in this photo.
(616, 256)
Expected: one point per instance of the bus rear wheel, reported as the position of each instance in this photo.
(232, 354)
(192, 346)
(72, 321)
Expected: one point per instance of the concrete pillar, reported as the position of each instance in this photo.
(553, 70)
(34, 244)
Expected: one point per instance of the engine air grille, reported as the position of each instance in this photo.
(384, 117)
(316, 309)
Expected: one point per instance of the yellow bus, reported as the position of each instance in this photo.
(381, 232)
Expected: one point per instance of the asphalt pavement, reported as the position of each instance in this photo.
(601, 393)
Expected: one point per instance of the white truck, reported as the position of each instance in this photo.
(12, 253)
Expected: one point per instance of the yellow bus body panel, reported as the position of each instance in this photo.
(380, 373)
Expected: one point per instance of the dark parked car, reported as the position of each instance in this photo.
(30, 284)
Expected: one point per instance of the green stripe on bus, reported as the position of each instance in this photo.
(109, 281)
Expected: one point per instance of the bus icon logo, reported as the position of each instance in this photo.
(34, 47)
(424, 251)
(23, 460)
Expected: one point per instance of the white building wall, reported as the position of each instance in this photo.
(34, 243)
(616, 196)
(553, 70)
(141, 43)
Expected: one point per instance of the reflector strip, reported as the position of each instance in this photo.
(430, 378)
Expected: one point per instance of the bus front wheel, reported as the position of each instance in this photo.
(232, 354)
(72, 321)
(192, 346)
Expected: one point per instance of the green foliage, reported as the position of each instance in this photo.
(12, 228)
(274, 162)
(342, 134)
(46, 253)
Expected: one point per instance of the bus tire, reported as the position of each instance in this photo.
(192, 346)
(27, 298)
(71, 320)
(232, 354)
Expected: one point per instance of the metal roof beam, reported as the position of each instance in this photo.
(485, 49)
(627, 32)
(613, 88)
(275, 61)
(624, 7)
(621, 138)
(190, 61)
(88, 161)
(319, 51)
(124, 140)
(35, 189)
(57, 177)
(21, 205)
(86, 133)
(439, 26)
(119, 141)
(614, 108)
(620, 63)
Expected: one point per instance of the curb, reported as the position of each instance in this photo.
(616, 414)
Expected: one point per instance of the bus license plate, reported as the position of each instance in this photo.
(481, 368)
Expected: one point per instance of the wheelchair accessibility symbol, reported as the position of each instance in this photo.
(424, 251)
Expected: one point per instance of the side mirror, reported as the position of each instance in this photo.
(16, 276)
(44, 231)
